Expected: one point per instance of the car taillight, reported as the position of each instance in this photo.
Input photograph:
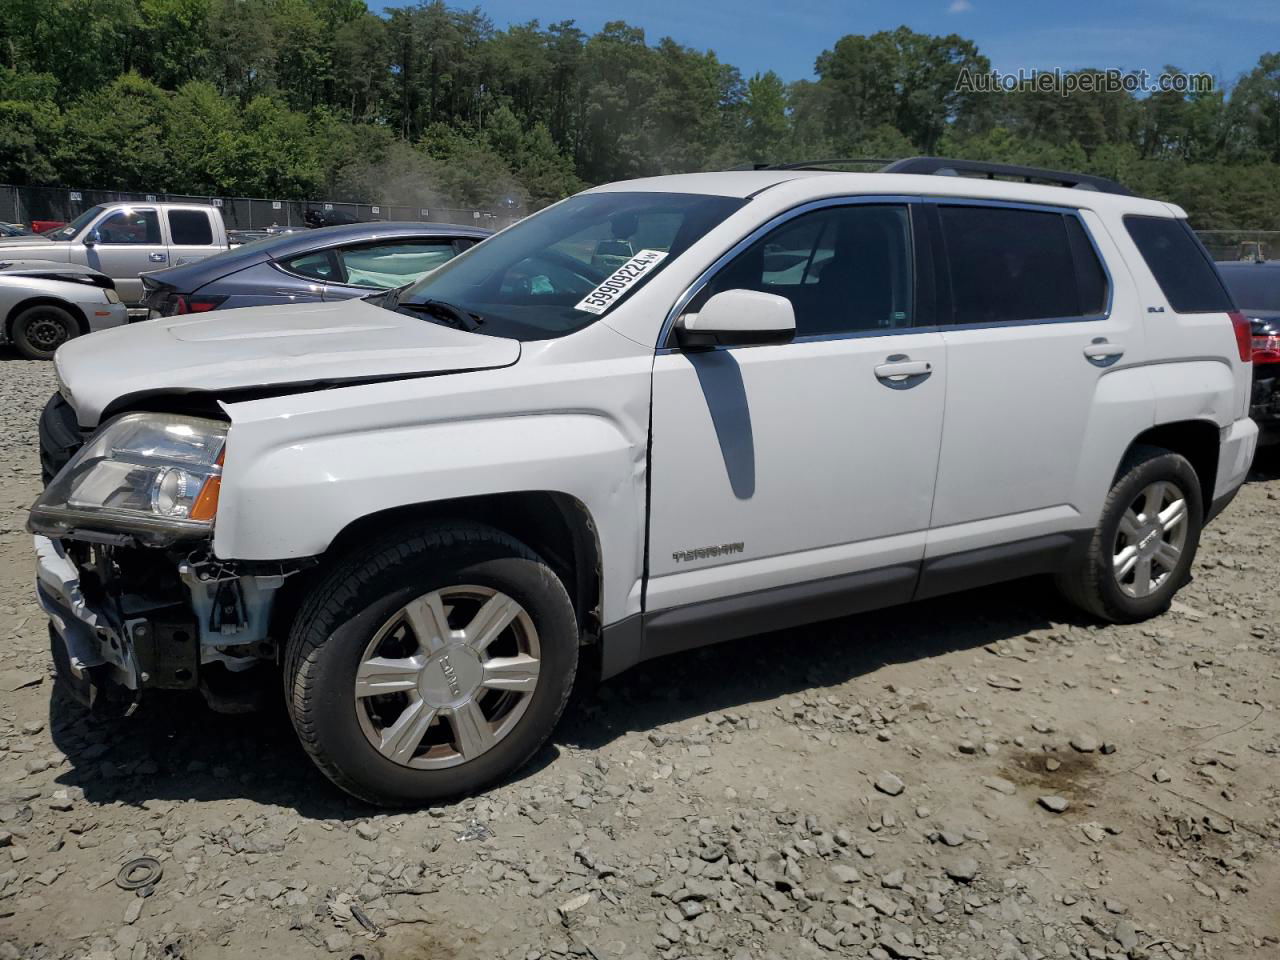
(1244, 335)
(1266, 349)
(184, 303)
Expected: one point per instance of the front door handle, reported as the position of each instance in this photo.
(900, 368)
(1101, 350)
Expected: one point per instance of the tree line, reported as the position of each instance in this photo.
(432, 104)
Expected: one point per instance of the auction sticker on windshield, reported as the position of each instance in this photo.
(620, 281)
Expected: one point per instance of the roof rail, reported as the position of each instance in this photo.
(822, 164)
(944, 166)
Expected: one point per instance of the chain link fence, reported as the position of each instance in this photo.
(60, 204)
(23, 204)
(1242, 244)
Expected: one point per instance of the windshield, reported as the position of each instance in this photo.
(75, 226)
(564, 268)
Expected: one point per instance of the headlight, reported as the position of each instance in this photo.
(112, 296)
(152, 475)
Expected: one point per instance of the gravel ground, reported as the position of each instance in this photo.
(986, 775)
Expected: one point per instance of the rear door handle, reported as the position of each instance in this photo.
(900, 368)
(1100, 349)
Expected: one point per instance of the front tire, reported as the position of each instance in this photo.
(1141, 553)
(40, 330)
(430, 664)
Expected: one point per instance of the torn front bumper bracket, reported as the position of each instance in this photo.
(96, 648)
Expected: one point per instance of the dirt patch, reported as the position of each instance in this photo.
(715, 805)
(1076, 777)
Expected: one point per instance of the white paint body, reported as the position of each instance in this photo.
(798, 451)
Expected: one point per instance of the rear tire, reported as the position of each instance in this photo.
(430, 664)
(40, 330)
(1141, 553)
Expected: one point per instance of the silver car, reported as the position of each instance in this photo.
(43, 304)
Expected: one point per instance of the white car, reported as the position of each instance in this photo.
(43, 304)
(805, 394)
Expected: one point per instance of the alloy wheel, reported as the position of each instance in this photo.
(1151, 538)
(447, 677)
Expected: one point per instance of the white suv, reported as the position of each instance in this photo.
(793, 395)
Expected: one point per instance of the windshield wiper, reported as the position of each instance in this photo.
(440, 310)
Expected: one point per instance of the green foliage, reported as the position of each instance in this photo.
(114, 138)
(430, 105)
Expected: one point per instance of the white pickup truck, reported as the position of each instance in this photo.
(125, 240)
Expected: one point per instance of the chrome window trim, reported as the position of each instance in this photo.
(778, 220)
(1065, 211)
(664, 336)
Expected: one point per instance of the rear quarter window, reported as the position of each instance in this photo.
(1179, 262)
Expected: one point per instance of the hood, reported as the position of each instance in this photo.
(34, 248)
(31, 239)
(51, 269)
(265, 348)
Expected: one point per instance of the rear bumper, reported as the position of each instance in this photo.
(1235, 457)
(1264, 402)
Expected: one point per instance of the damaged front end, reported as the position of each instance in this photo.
(131, 618)
(125, 571)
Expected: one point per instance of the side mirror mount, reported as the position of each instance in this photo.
(90, 237)
(738, 318)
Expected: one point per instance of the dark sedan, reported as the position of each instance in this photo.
(330, 263)
(1255, 287)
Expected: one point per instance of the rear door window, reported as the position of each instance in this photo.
(1010, 265)
(190, 228)
(1179, 262)
(382, 266)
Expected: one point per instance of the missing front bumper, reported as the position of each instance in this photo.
(108, 652)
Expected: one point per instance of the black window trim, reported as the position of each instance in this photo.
(922, 286)
(944, 268)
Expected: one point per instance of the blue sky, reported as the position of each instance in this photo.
(1219, 37)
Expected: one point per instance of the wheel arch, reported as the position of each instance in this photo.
(77, 314)
(557, 526)
(1197, 440)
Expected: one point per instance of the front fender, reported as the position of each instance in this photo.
(288, 491)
